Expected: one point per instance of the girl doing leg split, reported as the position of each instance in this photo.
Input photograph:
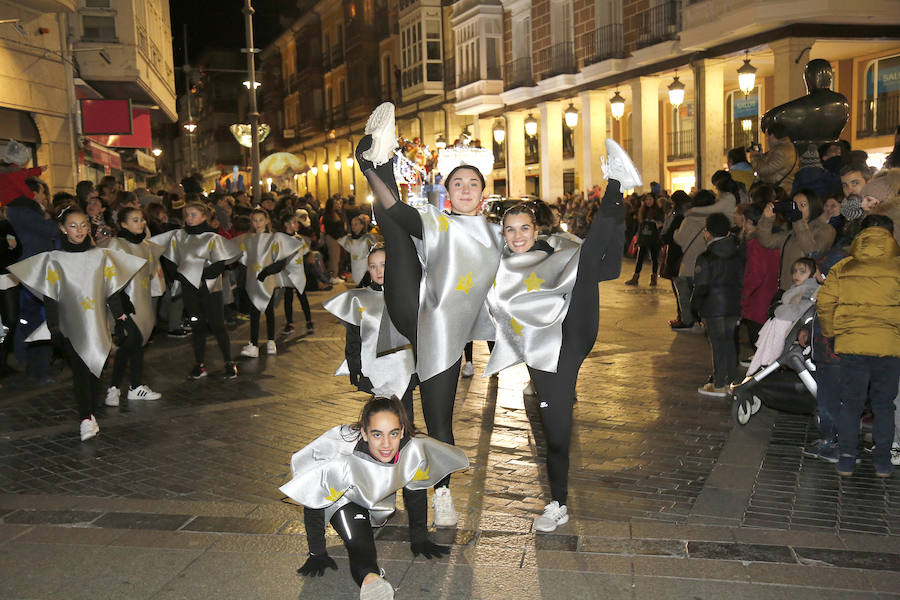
(350, 477)
(137, 296)
(195, 257)
(75, 284)
(381, 372)
(454, 267)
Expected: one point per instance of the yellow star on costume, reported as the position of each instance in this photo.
(243, 247)
(275, 249)
(517, 327)
(532, 282)
(174, 243)
(333, 495)
(211, 245)
(422, 475)
(109, 272)
(298, 260)
(52, 275)
(443, 223)
(465, 283)
(145, 283)
(361, 309)
(87, 304)
(257, 268)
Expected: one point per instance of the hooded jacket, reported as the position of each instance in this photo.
(859, 305)
(804, 238)
(689, 237)
(718, 276)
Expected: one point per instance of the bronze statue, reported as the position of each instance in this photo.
(817, 117)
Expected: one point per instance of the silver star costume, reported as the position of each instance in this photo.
(329, 474)
(359, 253)
(529, 303)
(459, 256)
(80, 282)
(390, 371)
(146, 283)
(191, 253)
(294, 273)
(258, 251)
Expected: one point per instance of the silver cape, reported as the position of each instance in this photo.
(327, 474)
(258, 251)
(294, 273)
(359, 253)
(529, 302)
(80, 282)
(145, 284)
(192, 253)
(459, 256)
(390, 371)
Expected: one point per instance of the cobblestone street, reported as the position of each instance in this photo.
(178, 498)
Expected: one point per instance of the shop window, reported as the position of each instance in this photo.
(741, 119)
(879, 110)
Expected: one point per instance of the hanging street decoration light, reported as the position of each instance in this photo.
(676, 92)
(617, 106)
(531, 126)
(499, 131)
(244, 136)
(747, 75)
(571, 116)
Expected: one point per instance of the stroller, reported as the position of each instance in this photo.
(792, 391)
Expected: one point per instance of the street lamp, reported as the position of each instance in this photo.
(531, 126)
(256, 84)
(571, 116)
(337, 164)
(190, 126)
(440, 143)
(676, 92)
(253, 113)
(747, 75)
(314, 169)
(157, 152)
(499, 131)
(617, 106)
(324, 167)
(349, 162)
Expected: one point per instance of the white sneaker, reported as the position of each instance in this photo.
(619, 166)
(142, 392)
(444, 513)
(382, 127)
(528, 390)
(895, 455)
(379, 589)
(271, 348)
(250, 351)
(112, 396)
(336, 280)
(468, 369)
(88, 429)
(554, 516)
(95, 424)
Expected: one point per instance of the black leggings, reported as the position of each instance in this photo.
(9, 314)
(254, 321)
(289, 305)
(207, 314)
(352, 523)
(645, 249)
(131, 352)
(86, 384)
(467, 351)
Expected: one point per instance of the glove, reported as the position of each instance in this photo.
(315, 565)
(429, 549)
(364, 385)
(612, 204)
(261, 276)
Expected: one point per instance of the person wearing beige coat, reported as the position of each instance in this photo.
(778, 165)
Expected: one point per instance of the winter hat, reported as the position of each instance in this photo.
(16, 154)
(303, 216)
(851, 207)
(879, 187)
(810, 158)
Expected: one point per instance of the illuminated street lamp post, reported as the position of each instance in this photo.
(254, 113)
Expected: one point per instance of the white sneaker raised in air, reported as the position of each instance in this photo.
(271, 348)
(468, 369)
(112, 396)
(619, 166)
(88, 429)
(444, 513)
(250, 351)
(378, 589)
(142, 392)
(382, 127)
(554, 516)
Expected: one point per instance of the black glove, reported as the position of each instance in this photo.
(362, 146)
(364, 385)
(315, 565)
(612, 204)
(262, 275)
(429, 549)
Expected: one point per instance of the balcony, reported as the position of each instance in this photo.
(603, 43)
(680, 144)
(518, 73)
(335, 117)
(558, 59)
(336, 56)
(879, 116)
(659, 24)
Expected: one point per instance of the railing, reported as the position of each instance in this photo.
(878, 117)
(468, 77)
(660, 23)
(680, 144)
(518, 73)
(555, 60)
(337, 55)
(603, 43)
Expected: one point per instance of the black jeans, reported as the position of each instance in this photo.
(647, 249)
(874, 377)
(289, 304)
(207, 314)
(130, 353)
(254, 321)
(720, 331)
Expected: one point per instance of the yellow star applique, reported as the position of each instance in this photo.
(87, 304)
(443, 223)
(517, 327)
(109, 272)
(257, 268)
(275, 249)
(333, 495)
(145, 283)
(465, 283)
(243, 247)
(211, 245)
(298, 260)
(52, 275)
(422, 475)
(361, 309)
(174, 243)
(533, 282)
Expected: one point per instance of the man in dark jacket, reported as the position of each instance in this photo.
(718, 275)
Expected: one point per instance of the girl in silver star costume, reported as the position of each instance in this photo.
(358, 243)
(350, 476)
(138, 295)
(545, 306)
(435, 295)
(296, 282)
(76, 285)
(362, 310)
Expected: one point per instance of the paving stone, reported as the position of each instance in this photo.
(851, 559)
(633, 547)
(741, 552)
(122, 520)
(50, 517)
(234, 525)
